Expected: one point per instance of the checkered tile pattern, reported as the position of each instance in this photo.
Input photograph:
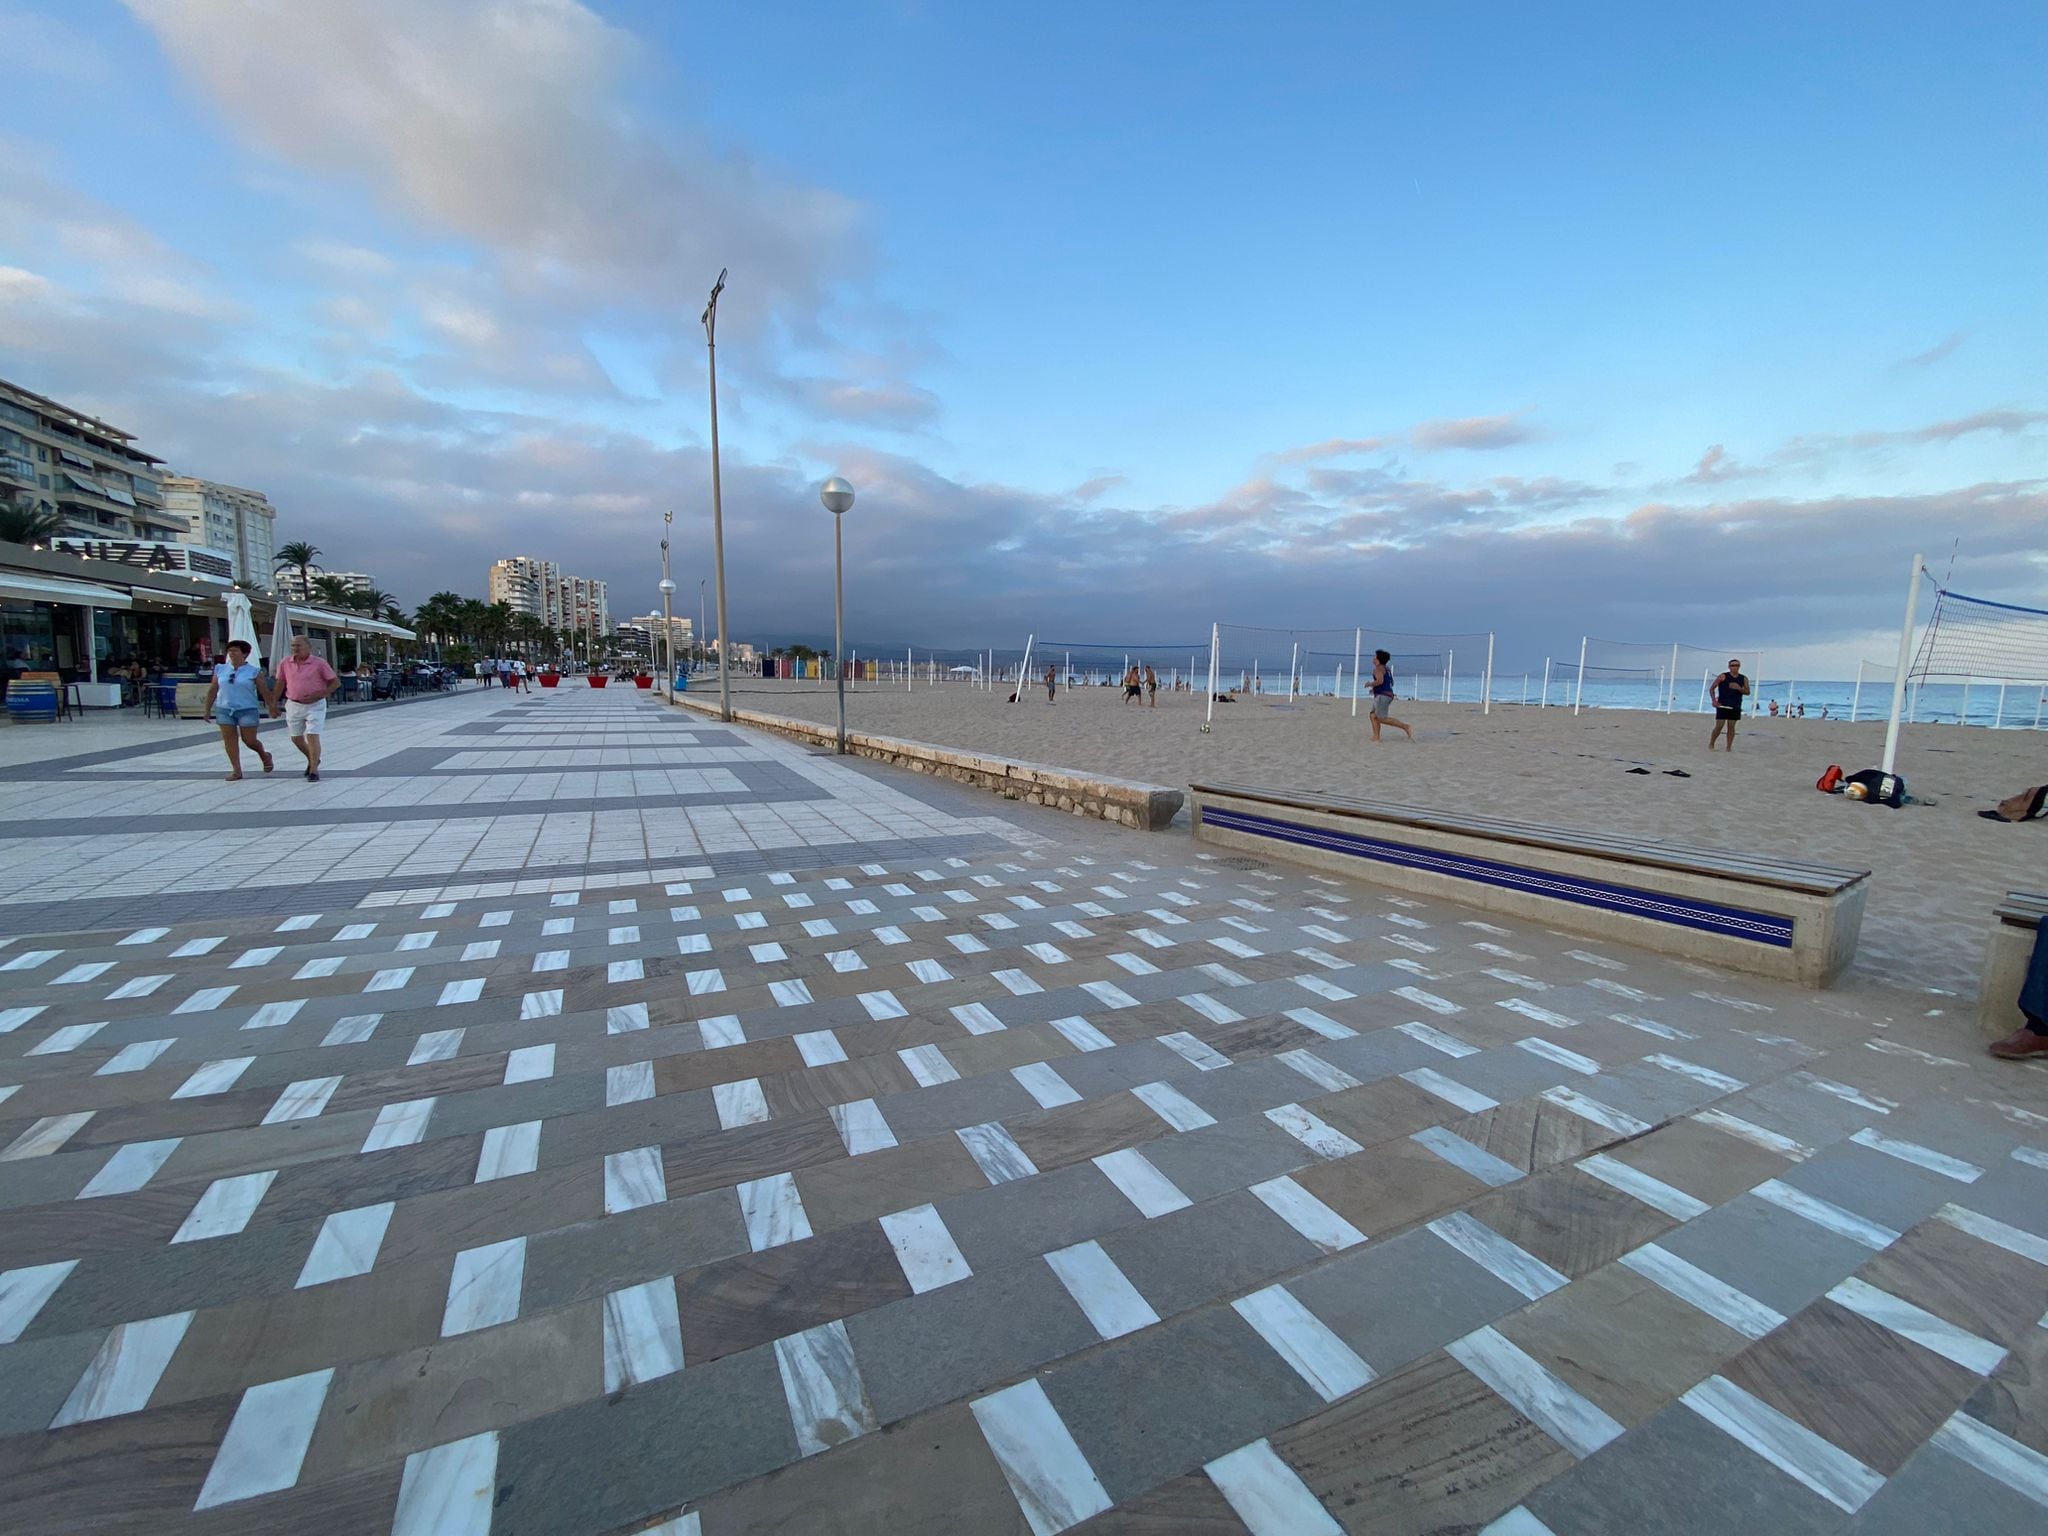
(1095, 1184)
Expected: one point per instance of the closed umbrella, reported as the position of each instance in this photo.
(241, 620)
(280, 636)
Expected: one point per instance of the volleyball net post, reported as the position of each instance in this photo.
(1215, 642)
(1891, 729)
(1357, 644)
(1486, 687)
(1579, 689)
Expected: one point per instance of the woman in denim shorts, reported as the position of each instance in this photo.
(236, 703)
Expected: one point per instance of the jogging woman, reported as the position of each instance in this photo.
(1383, 695)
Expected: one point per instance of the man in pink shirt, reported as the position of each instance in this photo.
(307, 684)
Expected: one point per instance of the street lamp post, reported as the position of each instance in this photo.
(668, 628)
(697, 640)
(837, 496)
(710, 319)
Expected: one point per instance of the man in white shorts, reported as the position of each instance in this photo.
(308, 684)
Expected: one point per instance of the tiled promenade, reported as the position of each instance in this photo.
(571, 1118)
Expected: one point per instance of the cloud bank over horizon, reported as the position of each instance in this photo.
(439, 300)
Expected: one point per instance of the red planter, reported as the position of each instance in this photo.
(645, 680)
(596, 679)
(550, 680)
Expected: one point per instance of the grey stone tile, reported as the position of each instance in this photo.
(1676, 1472)
(1936, 1491)
(1219, 1248)
(1232, 1154)
(1010, 1223)
(37, 1375)
(964, 1338)
(939, 1110)
(594, 1257)
(1893, 1193)
(1394, 1302)
(1246, 1088)
(1378, 1053)
(1783, 1260)
(1166, 1400)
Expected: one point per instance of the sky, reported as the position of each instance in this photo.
(1651, 323)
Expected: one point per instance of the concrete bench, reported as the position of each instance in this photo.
(2014, 923)
(1797, 922)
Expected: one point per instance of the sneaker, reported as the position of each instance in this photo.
(2021, 1045)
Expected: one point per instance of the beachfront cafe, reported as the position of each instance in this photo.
(92, 625)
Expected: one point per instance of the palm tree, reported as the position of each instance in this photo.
(370, 600)
(302, 555)
(24, 522)
(333, 591)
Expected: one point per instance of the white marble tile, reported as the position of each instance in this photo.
(1756, 1135)
(846, 961)
(399, 1125)
(1437, 1040)
(1267, 1494)
(347, 1245)
(928, 1065)
(1471, 1158)
(773, 1212)
(356, 931)
(191, 948)
(353, 1030)
(926, 1250)
(1541, 1015)
(145, 936)
(819, 1047)
(1102, 1291)
(1429, 1000)
(995, 1152)
(1331, 1367)
(226, 1207)
(1318, 1136)
(693, 944)
(1785, 1443)
(1517, 1522)
(1173, 1106)
(126, 1370)
(632, 1179)
(213, 1077)
(1331, 1079)
(702, 983)
(530, 1064)
(1539, 1394)
(540, 1005)
(1328, 990)
(1045, 1085)
(628, 1083)
(626, 1018)
(968, 944)
(134, 1057)
(1194, 1051)
(1109, 994)
(389, 980)
(302, 1100)
(2025, 1244)
(1307, 1215)
(435, 1045)
(1082, 1035)
(12, 1019)
(883, 1005)
(1710, 1294)
(1921, 1157)
(129, 1168)
(275, 1015)
(1015, 982)
(1571, 1061)
(976, 1019)
(1654, 1193)
(484, 1286)
(78, 975)
(861, 1127)
(1652, 1027)
(1450, 1090)
(23, 1293)
(509, 1151)
(325, 965)
(2020, 1467)
(643, 1334)
(465, 990)
(250, 958)
(140, 986)
(448, 1490)
(1512, 1266)
(551, 960)
(1918, 1324)
(265, 1444)
(1825, 1213)
(828, 1403)
(1050, 1477)
(1604, 1115)
(1151, 1191)
(69, 1038)
(740, 1102)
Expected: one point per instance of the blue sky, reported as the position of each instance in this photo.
(1631, 320)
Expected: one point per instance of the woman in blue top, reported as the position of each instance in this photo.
(1383, 694)
(236, 701)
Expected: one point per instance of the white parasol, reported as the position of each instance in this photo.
(241, 620)
(280, 636)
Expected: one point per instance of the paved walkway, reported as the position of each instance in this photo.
(572, 1118)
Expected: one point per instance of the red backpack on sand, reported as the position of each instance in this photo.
(1830, 781)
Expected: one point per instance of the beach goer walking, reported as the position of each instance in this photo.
(307, 683)
(1133, 688)
(1151, 687)
(1730, 689)
(1383, 695)
(1051, 682)
(236, 701)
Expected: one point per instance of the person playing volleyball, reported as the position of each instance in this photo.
(1383, 695)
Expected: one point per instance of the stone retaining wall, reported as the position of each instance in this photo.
(1148, 807)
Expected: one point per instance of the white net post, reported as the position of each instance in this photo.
(1671, 681)
(1999, 719)
(1963, 714)
(1544, 702)
(1891, 730)
(1579, 691)
(1215, 641)
(1706, 674)
(1486, 687)
(1856, 698)
(1450, 662)
(1293, 670)
(1357, 641)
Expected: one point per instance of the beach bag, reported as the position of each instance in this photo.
(1831, 781)
(2027, 805)
(1879, 787)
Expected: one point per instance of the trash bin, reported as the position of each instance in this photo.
(682, 681)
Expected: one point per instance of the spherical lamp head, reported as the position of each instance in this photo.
(837, 496)
(666, 586)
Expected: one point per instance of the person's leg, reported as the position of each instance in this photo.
(1731, 737)
(229, 740)
(256, 746)
(312, 750)
(1404, 725)
(1714, 738)
(299, 739)
(2031, 1038)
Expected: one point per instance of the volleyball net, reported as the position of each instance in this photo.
(1264, 662)
(1663, 675)
(1974, 639)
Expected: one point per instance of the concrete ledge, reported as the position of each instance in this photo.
(2013, 926)
(1796, 923)
(1147, 807)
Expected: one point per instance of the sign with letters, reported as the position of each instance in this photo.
(192, 560)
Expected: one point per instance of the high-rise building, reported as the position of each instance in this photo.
(681, 629)
(540, 589)
(242, 524)
(88, 473)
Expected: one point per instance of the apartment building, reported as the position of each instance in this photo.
(539, 588)
(88, 473)
(239, 523)
(293, 588)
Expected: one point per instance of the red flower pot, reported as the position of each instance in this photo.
(596, 679)
(550, 680)
(644, 680)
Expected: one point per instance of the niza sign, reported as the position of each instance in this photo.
(185, 559)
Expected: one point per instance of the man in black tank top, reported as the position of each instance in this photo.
(1730, 689)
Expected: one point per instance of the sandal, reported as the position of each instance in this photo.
(269, 762)
(233, 777)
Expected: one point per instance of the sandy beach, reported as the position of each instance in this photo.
(1938, 868)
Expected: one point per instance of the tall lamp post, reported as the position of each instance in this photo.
(698, 638)
(668, 628)
(710, 318)
(837, 496)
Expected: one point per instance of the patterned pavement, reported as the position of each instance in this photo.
(572, 1118)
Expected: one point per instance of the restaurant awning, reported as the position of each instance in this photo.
(52, 589)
